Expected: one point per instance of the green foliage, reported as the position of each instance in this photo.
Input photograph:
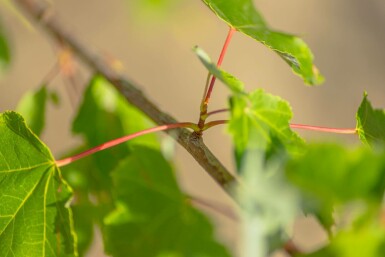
(242, 15)
(104, 108)
(152, 216)
(370, 123)
(35, 219)
(365, 238)
(258, 120)
(333, 176)
(113, 204)
(131, 193)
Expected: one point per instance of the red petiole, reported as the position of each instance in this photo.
(219, 63)
(347, 131)
(190, 125)
(120, 140)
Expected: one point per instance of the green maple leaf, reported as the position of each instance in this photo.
(35, 219)
(370, 123)
(242, 15)
(261, 121)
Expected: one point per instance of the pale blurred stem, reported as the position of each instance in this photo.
(124, 139)
(347, 131)
(209, 88)
(221, 209)
(190, 141)
(52, 73)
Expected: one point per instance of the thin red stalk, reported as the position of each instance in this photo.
(295, 126)
(220, 60)
(217, 111)
(120, 140)
(324, 129)
(214, 123)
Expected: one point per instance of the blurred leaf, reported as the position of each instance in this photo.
(235, 85)
(34, 216)
(242, 15)
(261, 121)
(33, 108)
(88, 184)
(152, 11)
(105, 115)
(365, 238)
(269, 204)
(84, 226)
(370, 123)
(152, 216)
(5, 55)
(333, 175)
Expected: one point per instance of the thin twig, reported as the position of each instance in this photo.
(190, 141)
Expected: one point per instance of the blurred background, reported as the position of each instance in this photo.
(152, 39)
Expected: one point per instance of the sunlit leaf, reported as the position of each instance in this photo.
(261, 121)
(242, 15)
(152, 216)
(370, 123)
(35, 219)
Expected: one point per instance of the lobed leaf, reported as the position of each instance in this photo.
(35, 219)
(152, 216)
(242, 15)
(261, 121)
(370, 123)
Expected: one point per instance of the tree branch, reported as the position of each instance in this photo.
(190, 141)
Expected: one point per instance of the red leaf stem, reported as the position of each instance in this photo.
(126, 138)
(219, 63)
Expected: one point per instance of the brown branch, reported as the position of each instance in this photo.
(190, 141)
